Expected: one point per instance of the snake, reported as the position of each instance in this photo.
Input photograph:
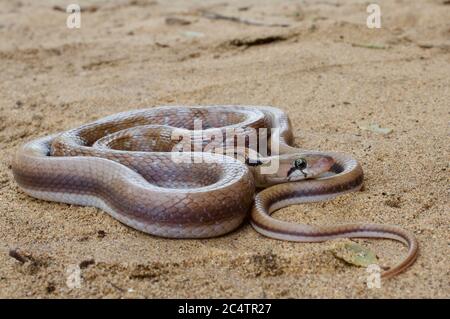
(197, 172)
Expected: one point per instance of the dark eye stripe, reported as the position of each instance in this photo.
(291, 170)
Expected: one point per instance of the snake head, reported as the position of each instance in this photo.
(297, 167)
(306, 166)
(293, 168)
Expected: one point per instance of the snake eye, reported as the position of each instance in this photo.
(300, 163)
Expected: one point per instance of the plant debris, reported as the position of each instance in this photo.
(86, 263)
(92, 8)
(177, 21)
(193, 34)
(116, 287)
(30, 263)
(101, 234)
(217, 16)
(19, 255)
(370, 46)
(257, 41)
(374, 127)
(354, 254)
(162, 45)
(425, 45)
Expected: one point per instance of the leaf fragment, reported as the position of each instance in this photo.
(374, 127)
(354, 254)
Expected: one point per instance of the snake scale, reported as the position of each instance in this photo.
(131, 165)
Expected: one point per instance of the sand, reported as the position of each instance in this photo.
(331, 73)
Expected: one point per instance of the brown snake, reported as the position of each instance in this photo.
(126, 165)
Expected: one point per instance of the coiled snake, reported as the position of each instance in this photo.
(131, 166)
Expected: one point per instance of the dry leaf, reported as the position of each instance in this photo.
(354, 254)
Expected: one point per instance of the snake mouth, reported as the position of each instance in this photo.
(293, 173)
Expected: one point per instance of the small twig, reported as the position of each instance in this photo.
(370, 46)
(92, 8)
(256, 41)
(162, 45)
(14, 253)
(425, 46)
(58, 8)
(217, 16)
(116, 287)
(177, 21)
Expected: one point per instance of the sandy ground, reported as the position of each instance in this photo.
(329, 71)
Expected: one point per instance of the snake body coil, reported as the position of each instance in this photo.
(125, 164)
